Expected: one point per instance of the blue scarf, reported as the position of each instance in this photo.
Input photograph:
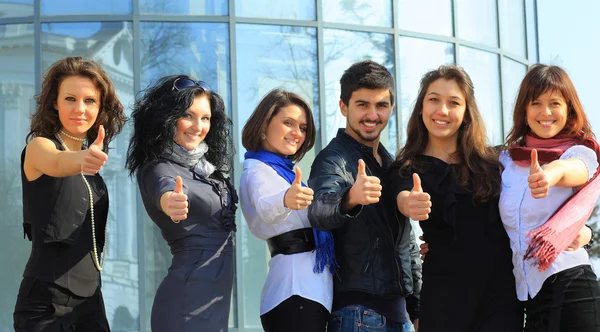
(323, 239)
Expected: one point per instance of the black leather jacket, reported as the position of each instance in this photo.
(373, 258)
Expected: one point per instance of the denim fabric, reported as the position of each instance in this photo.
(357, 318)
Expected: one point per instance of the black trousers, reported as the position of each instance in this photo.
(45, 307)
(296, 314)
(568, 301)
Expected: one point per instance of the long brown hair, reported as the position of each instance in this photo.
(45, 121)
(538, 80)
(268, 107)
(479, 170)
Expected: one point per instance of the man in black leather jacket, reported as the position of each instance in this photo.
(379, 275)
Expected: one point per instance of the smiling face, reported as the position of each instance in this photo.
(286, 131)
(193, 126)
(367, 114)
(444, 109)
(78, 104)
(547, 115)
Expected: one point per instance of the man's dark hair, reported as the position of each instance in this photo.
(366, 74)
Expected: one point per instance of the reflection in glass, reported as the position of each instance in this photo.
(16, 8)
(291, 9)
(418, 57)
(273, 56)
(109, 43)
(16, 104)
(342, 49)
(483, 69)
(532, 50)
(200, 50)
(75, 7)
(428, 16)
(512, 74)
(184, 7)
(513, 26)
(477, 21)
(361, 12)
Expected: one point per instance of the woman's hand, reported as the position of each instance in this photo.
(94, 158)
(175, 203)
(298, 197)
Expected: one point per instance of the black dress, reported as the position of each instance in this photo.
(468, 283)
(196, 293)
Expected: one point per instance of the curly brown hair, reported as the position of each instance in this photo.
(45, 121)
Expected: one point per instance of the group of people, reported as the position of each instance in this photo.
(503, 226)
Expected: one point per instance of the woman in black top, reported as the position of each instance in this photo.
(449, 179)
(179, 151)
(65, 201)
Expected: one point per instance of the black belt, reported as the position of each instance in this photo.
(292, 242)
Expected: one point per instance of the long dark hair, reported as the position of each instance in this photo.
(538, 80)
(45, 121)
(155, 118)
(479, 170)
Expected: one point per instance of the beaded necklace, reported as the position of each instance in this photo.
(98, 265)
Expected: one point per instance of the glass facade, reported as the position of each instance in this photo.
(242, 49)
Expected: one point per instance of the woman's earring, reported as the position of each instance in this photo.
(263, 136)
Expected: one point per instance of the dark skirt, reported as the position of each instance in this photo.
(196, 293)
(45, 307)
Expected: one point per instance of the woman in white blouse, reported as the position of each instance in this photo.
(550, 154)
(297, 295)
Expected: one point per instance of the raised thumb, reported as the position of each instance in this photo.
(361, 167)
(417, 183)
(535, 165)
(298, 178)
(178, 185)
(100, 138)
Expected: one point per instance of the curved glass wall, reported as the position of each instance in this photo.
(242, 49)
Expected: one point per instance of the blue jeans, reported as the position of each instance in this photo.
(357, 318)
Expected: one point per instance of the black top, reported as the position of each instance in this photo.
(469, 256)
(56, 218)
(378, 257)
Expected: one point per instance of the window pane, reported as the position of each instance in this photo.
(363, 12)
(74, 7)
(417, 56)
(532, 50)
(512, 74)
(273, 56)
(483, 69)
(16, 104)
(200, 50)
(438, 14)
(477, 21)
(291, 9)
(513, 26)
(342, 49)
(109, 43)
(16, 8)
(184, 7)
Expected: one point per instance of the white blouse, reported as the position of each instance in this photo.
(261, 196)
(521, 213)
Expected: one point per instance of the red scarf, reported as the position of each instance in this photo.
(561, 229)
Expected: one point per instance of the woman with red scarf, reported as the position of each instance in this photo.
(549, 189)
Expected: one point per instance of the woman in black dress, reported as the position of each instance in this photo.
(65, 200)
(449, 179)
(180, 151)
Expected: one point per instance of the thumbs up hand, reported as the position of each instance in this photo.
(418, 203)
(177, 203)
(298, 197)
(366, 189)
(539, 183)
(94, 158)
